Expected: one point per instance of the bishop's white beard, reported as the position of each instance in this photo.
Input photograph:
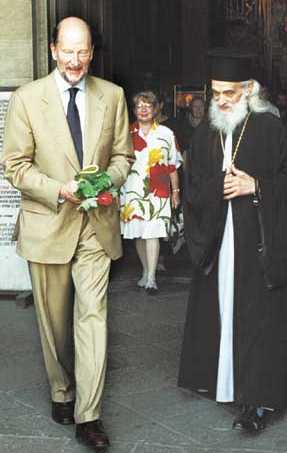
(227, 122)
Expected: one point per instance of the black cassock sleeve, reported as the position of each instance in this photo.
(204, 207)
(273, 191)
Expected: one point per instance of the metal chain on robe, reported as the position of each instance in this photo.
(234, 154)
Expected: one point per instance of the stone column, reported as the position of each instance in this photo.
(23, 41)
(40, 38)
(23, 57)
(16, 49)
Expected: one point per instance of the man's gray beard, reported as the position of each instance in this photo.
(227, 122)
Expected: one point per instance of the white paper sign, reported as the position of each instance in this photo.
(14, 274)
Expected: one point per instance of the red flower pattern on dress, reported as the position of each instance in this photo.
(134, 127)
(159, 183)
(138, 217)
(138, 142)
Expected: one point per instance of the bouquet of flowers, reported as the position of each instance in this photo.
(94, 188)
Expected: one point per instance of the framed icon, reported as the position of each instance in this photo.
(183, 96)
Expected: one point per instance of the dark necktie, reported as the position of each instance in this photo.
(73, 118)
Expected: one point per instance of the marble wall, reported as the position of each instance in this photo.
(23, 57)
(21, 22)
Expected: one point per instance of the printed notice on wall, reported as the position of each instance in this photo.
(14, 274)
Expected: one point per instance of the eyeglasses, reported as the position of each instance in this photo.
(144, 106)
(82, 55)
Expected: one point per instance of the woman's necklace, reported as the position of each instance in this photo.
(234, 154)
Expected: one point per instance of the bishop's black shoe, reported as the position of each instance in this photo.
(251, 419)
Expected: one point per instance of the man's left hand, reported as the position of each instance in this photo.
(237, 183)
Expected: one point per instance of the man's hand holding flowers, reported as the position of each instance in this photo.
(90, 189)
(67, 192)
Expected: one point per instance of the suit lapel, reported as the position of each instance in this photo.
(56, 121)
(95, 112)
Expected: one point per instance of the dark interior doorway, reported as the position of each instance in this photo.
(150, 44)
(98, 13)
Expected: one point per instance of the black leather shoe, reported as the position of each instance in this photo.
(241, 420)
(63, 413)
(250, 420)
(92, 434)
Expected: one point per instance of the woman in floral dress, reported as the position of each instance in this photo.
(152, 186)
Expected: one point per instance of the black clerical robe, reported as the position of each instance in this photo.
(260, 312)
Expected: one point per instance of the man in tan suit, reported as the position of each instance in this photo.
(54, 126)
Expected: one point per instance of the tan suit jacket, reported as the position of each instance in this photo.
(39, 156)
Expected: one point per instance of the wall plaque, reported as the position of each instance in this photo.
(14, 274)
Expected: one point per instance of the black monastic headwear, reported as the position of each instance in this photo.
(229, 65)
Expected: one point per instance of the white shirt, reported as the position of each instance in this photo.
(63, 87)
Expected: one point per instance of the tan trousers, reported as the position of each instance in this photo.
(71, 300)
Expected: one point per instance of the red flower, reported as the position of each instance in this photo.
(160, 180)
(171, 168)
(138, 142)
(134, 127)
(135, 216)
(105, 199)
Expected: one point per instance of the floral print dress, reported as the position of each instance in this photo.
(145, 197)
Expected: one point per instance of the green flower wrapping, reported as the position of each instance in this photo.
(93, 187)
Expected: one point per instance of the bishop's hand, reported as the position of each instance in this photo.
(237, 183)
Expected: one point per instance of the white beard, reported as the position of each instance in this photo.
(227, 122)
